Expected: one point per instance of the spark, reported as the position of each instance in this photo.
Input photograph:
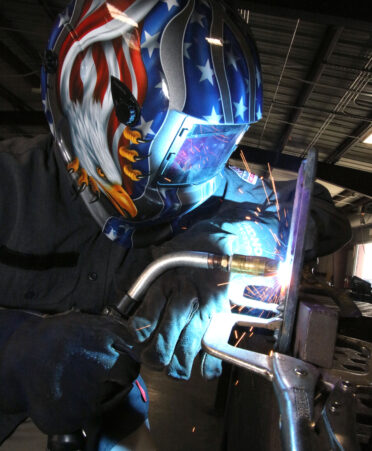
(184, 228)
(250, 329)
(256, 213)
(274, 189)
(275, 237)
(233, 306)
(144, 327)
(236, 334)
(248, 218)
(271, 353)
(222, 284)
(194, 429)
(258, 209)
(240, 339)
(250, 335)
(236, 382)
(264, 187)
(167, 179)
(242, 156)
(240, 191)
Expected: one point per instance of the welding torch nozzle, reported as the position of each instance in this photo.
(245, 264)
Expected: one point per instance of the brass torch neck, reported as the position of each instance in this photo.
(257, 266)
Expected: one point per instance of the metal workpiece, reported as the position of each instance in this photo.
(316, 330)
(295, 247)
(339, 417)
(294, 384)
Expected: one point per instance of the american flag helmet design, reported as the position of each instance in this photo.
(180, 59)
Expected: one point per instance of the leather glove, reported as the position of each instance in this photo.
(176, 310)
(61, 369)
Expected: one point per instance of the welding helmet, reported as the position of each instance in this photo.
(147, 100)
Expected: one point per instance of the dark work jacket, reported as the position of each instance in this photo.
(53, 256)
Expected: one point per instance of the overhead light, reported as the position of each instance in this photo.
(368, 139)
(214, 41)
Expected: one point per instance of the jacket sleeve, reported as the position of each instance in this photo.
(53, 256)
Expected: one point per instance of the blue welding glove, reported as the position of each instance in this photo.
(63, 369)
(177, 308)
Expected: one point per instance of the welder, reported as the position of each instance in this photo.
(145, 109)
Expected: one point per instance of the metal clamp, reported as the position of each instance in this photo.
(294, 380)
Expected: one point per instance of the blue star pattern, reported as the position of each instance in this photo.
(259, 88)
(199, 72)
(237, 71)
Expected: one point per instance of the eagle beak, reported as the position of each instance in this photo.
(121, 199)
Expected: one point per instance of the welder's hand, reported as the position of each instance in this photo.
(176, 310)
(60, 370)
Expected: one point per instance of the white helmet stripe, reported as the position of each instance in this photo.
(171, 56)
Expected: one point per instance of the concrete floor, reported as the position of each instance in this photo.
(182, 416)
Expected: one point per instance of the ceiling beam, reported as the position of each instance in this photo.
(19, 66)
(351, 179)
(358, 134)
(328, 44)
(342, 13)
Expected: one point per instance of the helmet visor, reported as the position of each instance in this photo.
(199, 153)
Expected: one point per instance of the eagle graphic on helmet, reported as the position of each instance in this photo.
(147, 101)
